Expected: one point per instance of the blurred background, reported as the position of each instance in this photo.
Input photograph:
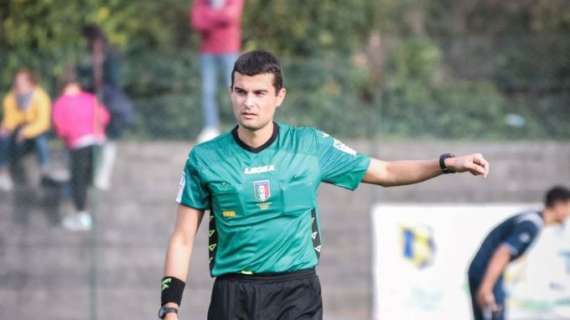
(405, 79)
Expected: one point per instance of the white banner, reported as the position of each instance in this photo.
(422, 252)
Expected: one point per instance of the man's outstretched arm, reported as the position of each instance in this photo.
(180, 248)
(398, 173)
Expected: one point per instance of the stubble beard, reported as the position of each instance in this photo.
(255, 127)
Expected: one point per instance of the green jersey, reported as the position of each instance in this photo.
(263, 201)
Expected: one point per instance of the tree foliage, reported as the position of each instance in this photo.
(304, 28)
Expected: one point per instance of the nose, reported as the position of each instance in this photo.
(249, 101)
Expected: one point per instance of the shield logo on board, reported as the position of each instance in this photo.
(418, 245)
(262, 190)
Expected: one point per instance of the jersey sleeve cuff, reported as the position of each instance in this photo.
(192, 206)
(360, 175)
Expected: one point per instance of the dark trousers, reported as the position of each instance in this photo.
(500, 298)
(12, 152)
(287, 296)
(82, 162)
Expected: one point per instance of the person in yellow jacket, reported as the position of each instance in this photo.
(24, 127)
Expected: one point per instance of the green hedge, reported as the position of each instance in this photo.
(334, 95)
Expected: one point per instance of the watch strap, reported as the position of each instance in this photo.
(442, 166)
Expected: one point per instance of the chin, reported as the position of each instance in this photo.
(252, 125)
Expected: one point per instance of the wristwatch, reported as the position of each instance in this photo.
(442, 166)
(163, 311)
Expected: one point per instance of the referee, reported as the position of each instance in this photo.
(259, 182)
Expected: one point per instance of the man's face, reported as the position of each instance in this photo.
(254, 100)
(562, 209)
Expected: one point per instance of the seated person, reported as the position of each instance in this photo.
(24, 127)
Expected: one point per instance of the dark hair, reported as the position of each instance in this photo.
(556, 194)
(259, 62)
(69, 76)
(93, 32)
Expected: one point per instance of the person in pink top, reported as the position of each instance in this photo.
(219, 25)
(80, 121)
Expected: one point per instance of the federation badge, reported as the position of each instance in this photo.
(262, 190)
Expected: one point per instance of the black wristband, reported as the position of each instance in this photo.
(171, 290)
(163, 311)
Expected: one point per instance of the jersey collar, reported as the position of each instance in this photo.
(262, 147)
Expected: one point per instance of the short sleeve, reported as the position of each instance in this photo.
(522, 238)
(339, 164)
(192, 191)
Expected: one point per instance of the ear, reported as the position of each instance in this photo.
(281, 96)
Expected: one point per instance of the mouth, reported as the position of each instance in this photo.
(248, 115)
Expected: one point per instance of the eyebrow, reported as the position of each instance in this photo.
(236, 88)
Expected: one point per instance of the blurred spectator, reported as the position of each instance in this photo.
(24, 128)
(80, 121)
(100, 74)
(219, 24)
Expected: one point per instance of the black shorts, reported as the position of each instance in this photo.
(284, 296)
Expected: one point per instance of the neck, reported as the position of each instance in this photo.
(72, 89)
(255, 138)
(24, 91)
(549, 217)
